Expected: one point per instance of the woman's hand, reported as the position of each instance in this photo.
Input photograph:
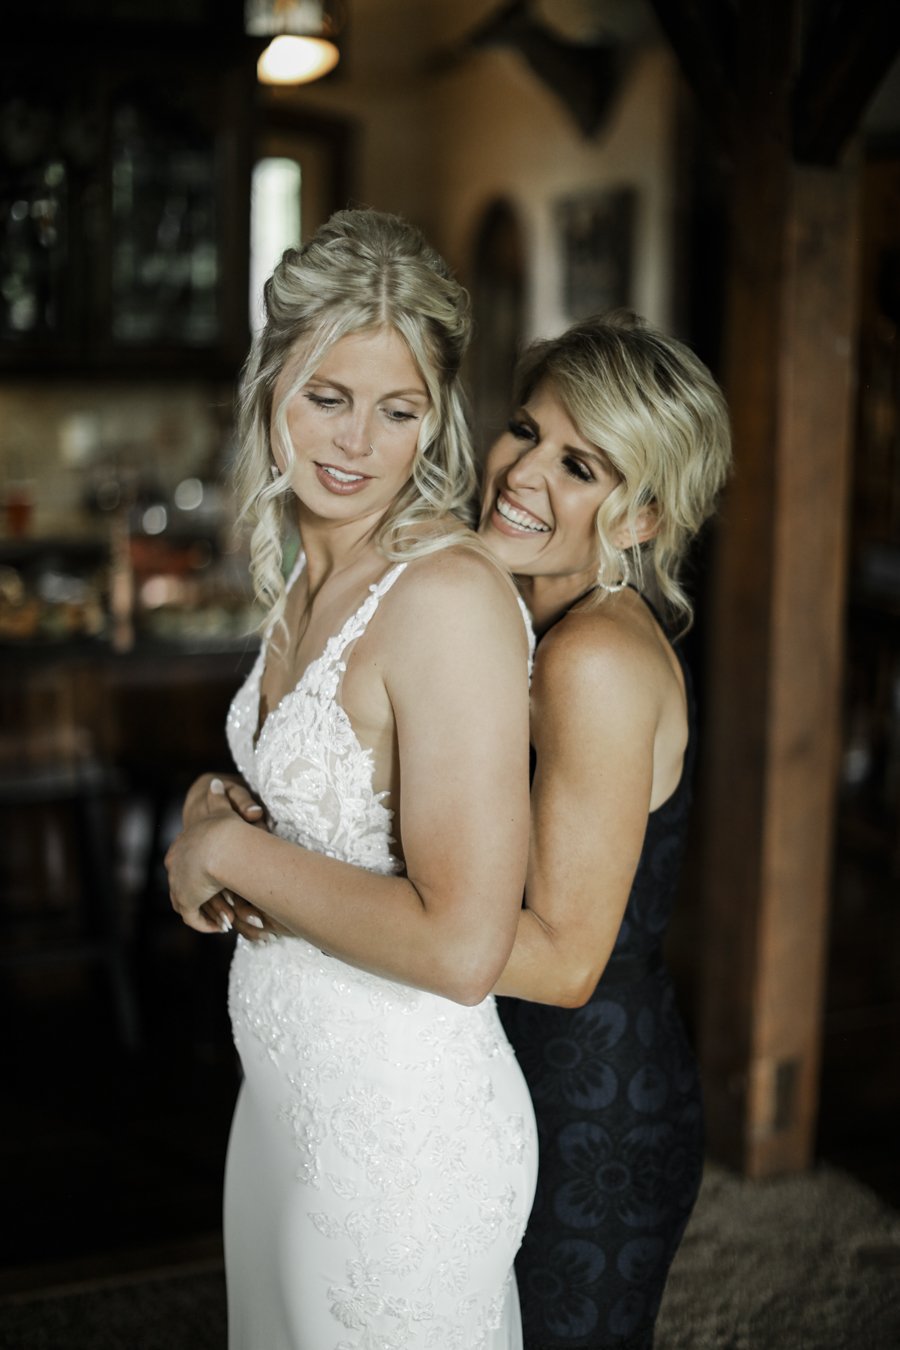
(230, 912)
(204, 794)
(226, 912)
(189, 864)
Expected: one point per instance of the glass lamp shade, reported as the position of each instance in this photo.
(296, 60)
(302, 38)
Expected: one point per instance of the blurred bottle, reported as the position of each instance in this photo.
(121, 584)
(18, 500)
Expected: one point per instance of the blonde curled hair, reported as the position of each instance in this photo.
(658, 415)
(362, 271)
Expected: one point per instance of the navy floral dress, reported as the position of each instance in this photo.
(617, 1100)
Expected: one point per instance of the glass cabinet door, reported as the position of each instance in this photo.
(124, 216)
(45, 158)
(165, 256)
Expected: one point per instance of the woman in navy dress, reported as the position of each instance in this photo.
(612, 461)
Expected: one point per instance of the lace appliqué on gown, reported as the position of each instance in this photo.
(307, 764)
(394, 1125)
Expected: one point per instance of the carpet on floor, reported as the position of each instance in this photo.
(810, 1262)
(801, 1263)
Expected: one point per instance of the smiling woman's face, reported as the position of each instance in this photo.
(354, 426)
(543, 487)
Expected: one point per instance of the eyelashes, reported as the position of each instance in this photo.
(572, 465)
(521, 430)
(576, 469)
(398, 416)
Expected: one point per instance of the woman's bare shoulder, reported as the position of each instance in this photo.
(456, 607)
(603, 648)
(459, 576)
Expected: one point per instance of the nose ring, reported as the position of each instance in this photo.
(370, 451)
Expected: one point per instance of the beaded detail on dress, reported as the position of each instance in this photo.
(308, 765)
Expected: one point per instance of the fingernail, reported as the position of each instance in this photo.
(254, 810)
(228, 898)
(218, 787)
(254, 921)
(224, 923)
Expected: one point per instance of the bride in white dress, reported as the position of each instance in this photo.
(382, 1158)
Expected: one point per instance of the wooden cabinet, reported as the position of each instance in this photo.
(124, 197)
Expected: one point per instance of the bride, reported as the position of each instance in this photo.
(382, 1158)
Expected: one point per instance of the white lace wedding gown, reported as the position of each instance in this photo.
(383, 1153)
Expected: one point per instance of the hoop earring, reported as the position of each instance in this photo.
(613, 587)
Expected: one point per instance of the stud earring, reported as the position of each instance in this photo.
(275, 471)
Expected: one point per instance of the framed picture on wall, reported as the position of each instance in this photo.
(596, 233)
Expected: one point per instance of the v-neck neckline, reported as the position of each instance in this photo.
(335, 639)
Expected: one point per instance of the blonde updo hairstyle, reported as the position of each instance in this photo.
(656, 412)
(362, 271)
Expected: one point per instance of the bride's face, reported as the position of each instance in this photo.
(543, 487)
(354, 426)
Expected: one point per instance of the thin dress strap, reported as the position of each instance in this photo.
(333, 661)
(529, 633)
(295, 570)
(292, 576)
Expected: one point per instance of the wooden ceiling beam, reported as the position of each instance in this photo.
(845, 61)
(702, 34)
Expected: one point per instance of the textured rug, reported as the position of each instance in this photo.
(805, 1263)
(802, 1263)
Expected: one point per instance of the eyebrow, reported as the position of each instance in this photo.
(395, 393)
(599, 455)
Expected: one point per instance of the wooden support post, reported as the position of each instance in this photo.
(790, 85)
(775, 670)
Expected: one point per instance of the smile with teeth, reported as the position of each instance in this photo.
(523, 520)
(340, 476)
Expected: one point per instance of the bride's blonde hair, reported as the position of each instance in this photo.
(362, 271)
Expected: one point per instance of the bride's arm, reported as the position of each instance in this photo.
(594, 714)
(455, 672)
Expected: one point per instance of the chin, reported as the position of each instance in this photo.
(514, 554)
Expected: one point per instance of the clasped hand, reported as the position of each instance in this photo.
(195, 894)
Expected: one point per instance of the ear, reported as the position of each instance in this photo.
(646, 525)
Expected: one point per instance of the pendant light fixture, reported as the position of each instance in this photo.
(302, 33)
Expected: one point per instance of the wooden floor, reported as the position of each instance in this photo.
(115, 1159)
